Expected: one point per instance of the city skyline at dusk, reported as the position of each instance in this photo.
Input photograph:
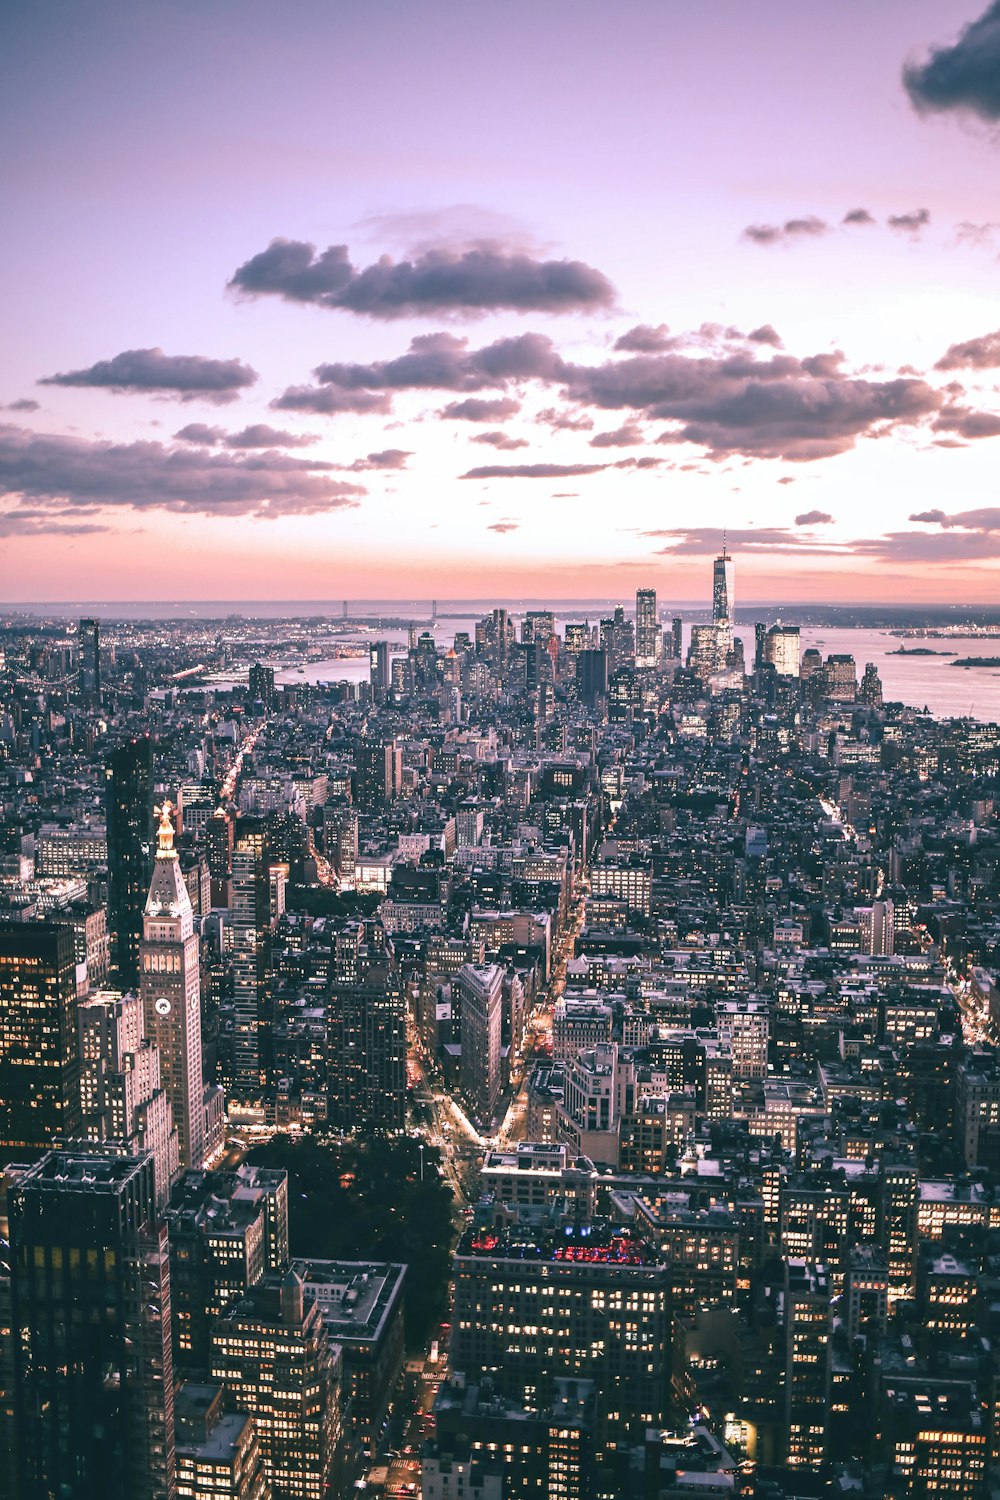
(514, 304)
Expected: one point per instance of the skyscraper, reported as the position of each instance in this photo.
(272, 1352)
(723, 591)
(380, 666)
(480, 987)
(781, 649)
(249, 894)
(39, 1064)
(647, 629)
(366, 1053)
(129, 809)
(89, 639)
(261, 686)
(90, 1297)
(171, 993)
(121, 1090)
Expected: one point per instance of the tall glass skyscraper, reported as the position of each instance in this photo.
(129, 809)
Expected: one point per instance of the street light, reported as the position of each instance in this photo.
(421, 1161)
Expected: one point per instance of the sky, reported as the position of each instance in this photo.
(377, 299)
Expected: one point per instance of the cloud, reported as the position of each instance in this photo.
(201, 434)
(24, 404)
(331, 401)
(565, 421)
(727, 400)
(986, 518)
(968, 424)
(813, 518)
(765, 334)
(789, 233)
(482, 409)
(21, 522)
(778, 407)
(858, 217)
(504, 526)
(189, 377)
(533, 471)
(644, 338)
(981, 353)
(911, 223)
(434, 361)
(72, 473)
(707, 541)
(500, 440)
(963, 76)
(482, 279)
(627, 436)
(258, 435)
(388, 458)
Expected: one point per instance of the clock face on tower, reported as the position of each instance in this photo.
(162, 1006)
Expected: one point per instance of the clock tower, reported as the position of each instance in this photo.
(171, 993)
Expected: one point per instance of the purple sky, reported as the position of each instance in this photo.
(561, 291)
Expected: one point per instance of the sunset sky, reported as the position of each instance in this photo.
(377, 298)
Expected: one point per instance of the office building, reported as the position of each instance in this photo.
(171, 993)
(589, 1302)
(362, 1307)
(39, 1062)
(218, 1452)
(271, 1351)
(248, 905)
(260, 686)
(378, 773)
(227, 1231)
(647, 629)
(89, 649)
(807, 1353)
(122, 1096)
(781, 649)
(129, 812)
(591, 676)
(724, 594)
(366, 1053)
(380, 667)
(480, 996)
(91, 1313)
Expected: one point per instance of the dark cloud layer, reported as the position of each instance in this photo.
(25, 404)
(188, 377)
(730, 400)
(964, 75)
(779, 407)
(858, 217)
(72, 473)
(468, 282)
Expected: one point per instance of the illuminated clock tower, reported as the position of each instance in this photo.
(171, 993)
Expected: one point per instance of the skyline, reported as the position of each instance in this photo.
(410, 302)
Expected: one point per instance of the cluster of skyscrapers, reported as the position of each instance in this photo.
(677, 955)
